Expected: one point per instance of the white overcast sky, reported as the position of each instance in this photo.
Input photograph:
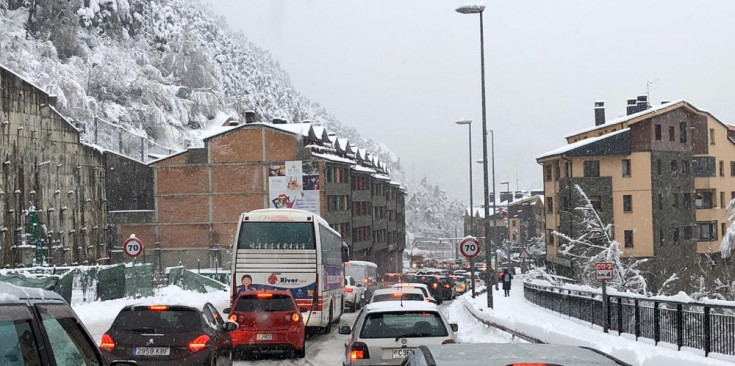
(402, 71)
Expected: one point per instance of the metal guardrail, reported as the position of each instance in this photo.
(512, 332)
(706, 327)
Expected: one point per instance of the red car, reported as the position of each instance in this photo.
(269, 321)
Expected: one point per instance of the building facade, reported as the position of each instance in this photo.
(659, 175)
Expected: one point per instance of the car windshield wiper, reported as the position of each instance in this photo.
(412, 335)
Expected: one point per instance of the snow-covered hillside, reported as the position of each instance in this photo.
(167, 68)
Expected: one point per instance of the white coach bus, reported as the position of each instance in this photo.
(294, 250)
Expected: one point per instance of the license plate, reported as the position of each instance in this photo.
(401, 352)
(264, 337)
(152, 351)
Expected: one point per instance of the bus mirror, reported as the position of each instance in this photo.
(226, 311)
(303, 309)
(345, 253)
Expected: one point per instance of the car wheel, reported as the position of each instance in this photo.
(302, 352)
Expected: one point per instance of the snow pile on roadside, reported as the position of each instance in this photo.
(516, 313)
(97, 316)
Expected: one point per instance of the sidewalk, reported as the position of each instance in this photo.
(516, 313)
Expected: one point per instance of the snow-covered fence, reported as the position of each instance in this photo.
(122, 141)
(708, 327)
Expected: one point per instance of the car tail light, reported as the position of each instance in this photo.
(295, 317)
(199, 343)
(158, 307)
(448, 341)
(107, 343)
(434, 285)
(265, 296)
(397, 294)
(348, 289)
(233, 318)
(359, 351)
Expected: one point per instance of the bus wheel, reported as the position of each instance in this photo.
(328, 328)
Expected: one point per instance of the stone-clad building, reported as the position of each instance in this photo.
(662, 175)
(55, 191)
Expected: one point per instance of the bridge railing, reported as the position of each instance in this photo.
(701, 326)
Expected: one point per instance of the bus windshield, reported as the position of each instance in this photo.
(276, 235)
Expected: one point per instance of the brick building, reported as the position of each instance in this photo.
(200, 193)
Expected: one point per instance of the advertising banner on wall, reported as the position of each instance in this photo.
(294, 184)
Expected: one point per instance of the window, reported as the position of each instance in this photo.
(675, 202)
(722, 168)
(685, 167)
(672, 133)
(688, 232)
(628, 238)
(626, 167)
(732, 168)
(592, 168)
(682, 132)
(68, 341)
(547, 172)
(661, 239)
(567, 169)
(627, 203)
(658, 132)
(17, 344)
(557, 170)
(596, 203)
(703, 199)
(550, 236)
(660, 201)
(676, 235)
(658, 166)
(711, 136)
(687, 201)
(706, 231)
(704, 166)
(550, 206)
(674, 166)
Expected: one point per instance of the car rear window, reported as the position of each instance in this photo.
(403, 324)
(391, 297)
(143, 320)
(251, 303)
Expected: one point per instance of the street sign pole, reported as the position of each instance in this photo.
(604, 273)
(470, 248)
(605, 306)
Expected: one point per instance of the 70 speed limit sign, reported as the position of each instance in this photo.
(469, 247)
(132, 247)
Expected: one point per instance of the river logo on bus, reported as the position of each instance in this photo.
(272, 279)
(278, 279)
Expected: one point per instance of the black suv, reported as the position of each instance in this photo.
(38, 327)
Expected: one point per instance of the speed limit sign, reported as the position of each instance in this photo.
(469, 247)
(132, 246)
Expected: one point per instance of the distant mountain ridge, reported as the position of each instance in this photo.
(166, 69)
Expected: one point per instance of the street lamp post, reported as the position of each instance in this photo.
(472, 205)
(507, 219)
(478, 9)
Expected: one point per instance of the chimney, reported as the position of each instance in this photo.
(599, 112)
(249, 116)
(631, 107)
(642, 103)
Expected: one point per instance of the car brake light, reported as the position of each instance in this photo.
(359, 351)
(296, 317)
(158, 307)
(348, 289)
(107, 343)
(264, 296)
(199, 343)
(448, 341)
(397, 294)
(233, 318)
(434, 285)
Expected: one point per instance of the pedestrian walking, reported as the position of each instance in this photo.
(507, 276)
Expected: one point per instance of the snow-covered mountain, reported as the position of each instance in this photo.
(168, 68)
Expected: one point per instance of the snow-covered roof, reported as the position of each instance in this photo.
(334, 158)
(23, 78)
(364, 263)
(360, 168)
(381, 177)
(579, 144)
(629, 117)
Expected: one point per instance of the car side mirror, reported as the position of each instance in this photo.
(226, 311)
(359, 285)
(123, 363)
(454, 326)
(230, 326)
(303, 309)
(344, 329)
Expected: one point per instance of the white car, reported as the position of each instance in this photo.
(386, 332)
(420, 286)
(397, 294)
(354, 294)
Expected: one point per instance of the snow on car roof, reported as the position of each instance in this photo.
(364, 263)
(404, 305)
(384, 291)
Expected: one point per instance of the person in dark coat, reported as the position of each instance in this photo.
(506, 278)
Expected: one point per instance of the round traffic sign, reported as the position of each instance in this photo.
(469, 247)
(132, 247)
